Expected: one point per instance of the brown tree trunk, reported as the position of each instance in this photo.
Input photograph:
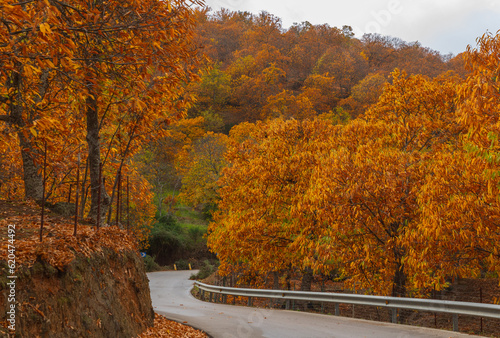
(33, 181)
(307, 279)
(276, 280)
(399, 281)
(94, 159)
(399, 287)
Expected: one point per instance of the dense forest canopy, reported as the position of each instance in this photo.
(262, 70)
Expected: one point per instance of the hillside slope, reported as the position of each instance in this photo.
(91, 285)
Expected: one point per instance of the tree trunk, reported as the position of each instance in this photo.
(33, 181)
(307, 278)
(399, 281)
(276, 280)
(94, 158)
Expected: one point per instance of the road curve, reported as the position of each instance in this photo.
(170, 293)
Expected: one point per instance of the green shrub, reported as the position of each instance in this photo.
(196, 233)
(208, 210)
(150, 264)
(168, 222)
(163, 240)
(206, 270)
(182, 264)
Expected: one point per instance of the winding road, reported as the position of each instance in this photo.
(170, 293)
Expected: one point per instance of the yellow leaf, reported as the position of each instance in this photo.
(157, 45)
(51, 65)
(43, 28)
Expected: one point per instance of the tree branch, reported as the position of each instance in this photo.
(5, 118)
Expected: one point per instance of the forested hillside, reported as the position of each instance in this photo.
(371, 160)
(261, 71)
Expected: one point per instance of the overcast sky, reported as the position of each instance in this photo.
(444, 25)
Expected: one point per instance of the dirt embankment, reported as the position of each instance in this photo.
(93, 284)
(104, 295)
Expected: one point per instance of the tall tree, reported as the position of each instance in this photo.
(461, 202)
(366, 191)
(113, 61)
(268, 172)
(345, 64)
(203, 164)
(29, 66)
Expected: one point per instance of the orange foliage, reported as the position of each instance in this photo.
(59, 246)
(168, 328)
(203, 162)
(266, 175)
(58, 95)
(397, 201)
(461, 202)
(285, 105)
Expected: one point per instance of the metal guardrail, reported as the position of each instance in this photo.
(394, 303)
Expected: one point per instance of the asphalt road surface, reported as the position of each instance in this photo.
(170, 293)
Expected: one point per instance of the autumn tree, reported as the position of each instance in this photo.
(143, 81)
(379, 50)
(266, 30)
(364, 94)
(220, 34)
(346, 64)
(119, 64)
(305, 44)
(158, 161)
(322, 91)
(286, 105)
(28, 74)
(345, 198)
(416, 59)
(364, 207)
(461, 201)
(213, 91)
(366, 191)
(385, 53)
(203, 161)
(269, 170)
(253, 81)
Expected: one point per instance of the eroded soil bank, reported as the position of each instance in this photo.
(104, 295)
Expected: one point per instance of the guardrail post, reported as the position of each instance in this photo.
(480, 301)
(337, 309)
(210, 297)
(287, 304)
(455, 322)
(249, 301)
(394, 316)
